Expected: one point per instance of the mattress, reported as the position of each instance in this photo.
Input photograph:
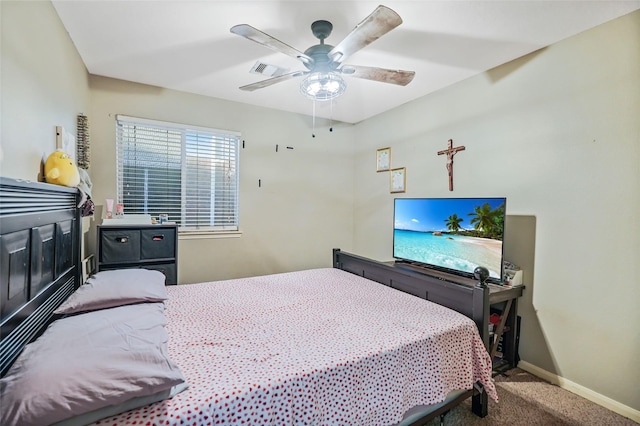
(314, 347)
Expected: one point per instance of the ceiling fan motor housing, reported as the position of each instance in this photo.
(319, 53)
(321, 61)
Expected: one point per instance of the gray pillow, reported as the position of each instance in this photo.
(108, 289)
(88, 362)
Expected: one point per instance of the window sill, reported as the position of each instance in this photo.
(204, 235)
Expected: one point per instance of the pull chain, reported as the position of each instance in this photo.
(331, 117)
(313, 131)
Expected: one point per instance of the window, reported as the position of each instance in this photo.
(190, 173)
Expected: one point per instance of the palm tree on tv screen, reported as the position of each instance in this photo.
(453, 222)
(488, 222)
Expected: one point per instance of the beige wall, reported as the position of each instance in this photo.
(558, 133)
(43, 84)
(303, 208)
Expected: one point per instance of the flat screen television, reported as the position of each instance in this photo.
(453, 235)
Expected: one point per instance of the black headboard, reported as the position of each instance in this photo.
(40, 234)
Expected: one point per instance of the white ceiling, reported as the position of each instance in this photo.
(187, 46)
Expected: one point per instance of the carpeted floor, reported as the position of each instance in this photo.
(528, 400)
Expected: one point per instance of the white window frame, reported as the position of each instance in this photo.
(219, 146)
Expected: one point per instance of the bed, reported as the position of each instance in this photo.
(326, 346)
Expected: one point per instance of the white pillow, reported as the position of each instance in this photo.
(108, 289)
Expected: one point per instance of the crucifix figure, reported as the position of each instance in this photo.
(450, 151)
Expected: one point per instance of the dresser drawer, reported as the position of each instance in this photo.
(157, 243)
(168, 269)
(120, 245)
(139, 246)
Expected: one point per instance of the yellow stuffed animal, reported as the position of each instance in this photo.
(60, 169)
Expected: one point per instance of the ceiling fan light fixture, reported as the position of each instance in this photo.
(323, 86)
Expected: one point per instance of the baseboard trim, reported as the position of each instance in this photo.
(582, 391)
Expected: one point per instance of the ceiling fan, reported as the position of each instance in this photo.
(324, 62)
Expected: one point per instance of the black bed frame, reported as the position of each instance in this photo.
(39, 259)
(463, 295)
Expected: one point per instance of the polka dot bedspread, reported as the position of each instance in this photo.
(315, 347)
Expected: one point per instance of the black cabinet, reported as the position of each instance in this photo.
(139, 246)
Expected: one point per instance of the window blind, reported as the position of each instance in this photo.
(187, 172)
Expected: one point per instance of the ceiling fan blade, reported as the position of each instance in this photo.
(274, 80)
(399, 77)
(381, 21)
(253, 34)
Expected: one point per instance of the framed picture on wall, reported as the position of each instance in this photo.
(398, 180)
(383, 160)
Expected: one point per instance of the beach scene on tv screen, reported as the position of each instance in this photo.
(458, 234)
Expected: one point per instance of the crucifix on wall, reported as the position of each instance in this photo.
(450, 151)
